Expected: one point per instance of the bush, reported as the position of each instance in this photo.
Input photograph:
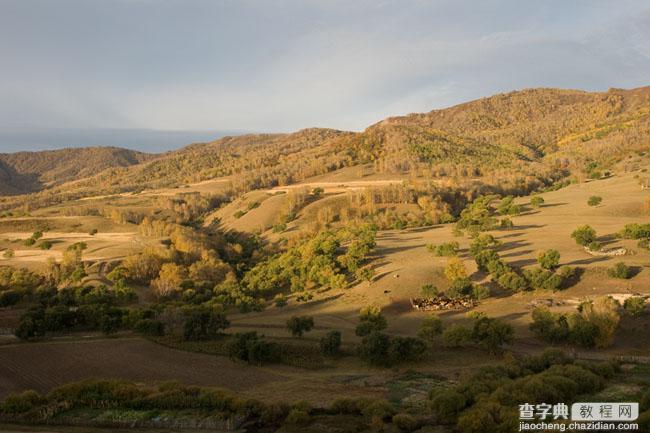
(298, 325)
(620, 270)
(448, 404)
(459, 288)
(8, 253)
(634, 305)
(249, 347)
(203, 323)
(480, 292)
(16, 404)
(280, 300)
(405, 422)
(448, 249)
(536, 201)
(374, 348)
(371, 320)
(584, 235)
(298, 417)
(429, 291)
(430, 328)
(636, 231)
(29, 242)
(455, 269)
(542, 279)
(594, 200)
(512, 281)
(9, 298)
(492, 333)
(45, 245)
(150, 327)
(330, 344)
(549, 259)
(456, 336)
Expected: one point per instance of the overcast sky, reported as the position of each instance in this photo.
(279, 65)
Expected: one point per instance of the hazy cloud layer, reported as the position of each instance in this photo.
(284, 65)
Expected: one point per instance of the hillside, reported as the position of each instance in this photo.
(513, 143)
(24, 172)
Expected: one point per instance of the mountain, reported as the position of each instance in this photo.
(521, 139)
(24, 172)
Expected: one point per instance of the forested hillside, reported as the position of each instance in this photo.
(24, 172)
(516, 141)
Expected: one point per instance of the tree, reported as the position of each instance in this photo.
(594, 200)
(455, 269)
(635, 305)
(8, 253)
(549, 259)
(456, 336)
(330, 344)
(203, 323)
(370, 320)
(492, 333)
(298, 325)
(169, 279)
(584, 235)
(430, 328)
(536, 201)
(620, 270)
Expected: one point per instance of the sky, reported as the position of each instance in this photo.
(183, 67)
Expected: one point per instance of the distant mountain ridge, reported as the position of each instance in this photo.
(24, 172)
(517, 139)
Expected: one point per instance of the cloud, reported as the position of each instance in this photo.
(285, 65)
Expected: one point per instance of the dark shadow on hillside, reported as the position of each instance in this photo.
(511, 235)
(588, 261)
(527, 226)
(516, 253)
(512, 245)
(523, 262)
(389, 250)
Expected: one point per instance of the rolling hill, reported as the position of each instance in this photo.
(24, 172)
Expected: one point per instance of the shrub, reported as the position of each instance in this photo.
(634, 305)
(459, 288)
(549, 259)
(371, 320)
(594, 200)
(542, 279)
(480, 292)
(9, 298)
(584, 235)
(16, 404)
(448, 249)
(430, 328)
(45, 245)
(506, 223)
(298, 417)
(330, 344)
(620, 270)
(93, 232)
(29, 242)
(456, 336)
(594, 246)
(636, 231)
(492, 333)
(239, 214)
(512, 281)
(448, 404)
(8, 253)
(298, 325)
(536, 201)
(455, 269)
(405, 422)
(429, 291)
(203, 323)
(374, 348)
(150, 327)
(249, 347)
(280, 300)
